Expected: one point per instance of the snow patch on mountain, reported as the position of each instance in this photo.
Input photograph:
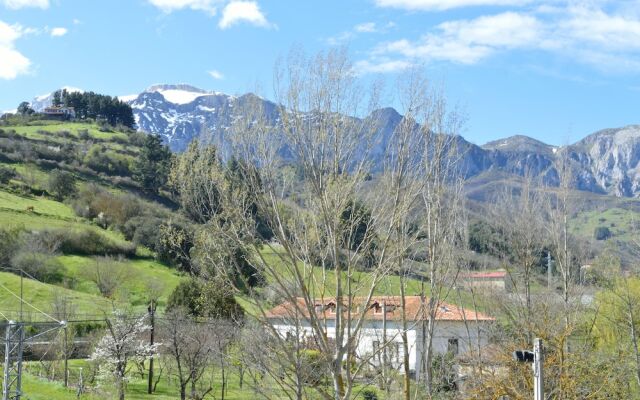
(127, 98)
(43, 101)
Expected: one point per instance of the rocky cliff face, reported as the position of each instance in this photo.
(608, 161)
(604, 162)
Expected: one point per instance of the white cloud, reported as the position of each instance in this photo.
(367, 27)
(169, 6)
(469, 41)
(13, 62)
(243, 11)
(363, 28)
(614, 32)
(76, 21)
(215, 74)
(16, 4)
(584, 33)
(59, 31)
(381, 66)
(439, 5)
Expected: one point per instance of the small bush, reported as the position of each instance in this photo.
(61, 184)
(84, 134)
(108, 275)
(144, 231)
(210, 299)
(369, 394)
(90, 242)
(602, 233)
(6, 174)
(108, 209)
(41, 266)
(9, 245)
(86, 242)
(137, 138)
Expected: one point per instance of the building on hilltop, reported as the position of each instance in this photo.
(457, 330)
(59, 112)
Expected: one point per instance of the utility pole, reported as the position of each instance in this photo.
(538, 376)
(13, 351)
(549, 270)
(152, 312)
(13, 346)
(21, 290)
(66, 358)
(536, 358)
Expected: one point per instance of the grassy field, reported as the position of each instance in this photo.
(390, 285)
(622, 223)
(141, 274)
(41, 296)
(31, 130)
(38, 388)
(42, 206)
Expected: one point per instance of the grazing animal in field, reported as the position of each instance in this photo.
(30, 209)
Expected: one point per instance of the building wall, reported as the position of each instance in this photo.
(372, 331)
(502, 284)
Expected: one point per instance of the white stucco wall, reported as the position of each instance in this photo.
(373, 331)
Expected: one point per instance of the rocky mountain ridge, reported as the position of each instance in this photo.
(606, 162)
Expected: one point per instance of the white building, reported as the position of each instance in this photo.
(457, 330)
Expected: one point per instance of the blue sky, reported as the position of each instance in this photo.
(555, 70)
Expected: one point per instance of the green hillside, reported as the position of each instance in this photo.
(30, 152)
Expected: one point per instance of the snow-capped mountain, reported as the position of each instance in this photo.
(604, 162)
(180, 113)
(39, 103)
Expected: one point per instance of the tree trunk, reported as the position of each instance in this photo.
(405, 346)
(183, 391)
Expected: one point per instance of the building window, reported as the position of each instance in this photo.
(376, 350)
(452, 346)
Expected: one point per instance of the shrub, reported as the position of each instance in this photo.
(84, 134)
(602, 233)
(90, 242)
(9, 245)
(41, 266)
(176, 239)
(137, 138)
(313, 366)
(205, 299)
(108, 275)
(102, 160)
(369, 394)
(6, 174)
(144, 231)
(186, 296)
(61, 184)
(85, 242)
(94, 202)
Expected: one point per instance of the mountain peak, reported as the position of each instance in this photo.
(160, 87)
(180, 93)
(623, 133)
(519, 143)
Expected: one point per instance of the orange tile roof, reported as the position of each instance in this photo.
(445, 312)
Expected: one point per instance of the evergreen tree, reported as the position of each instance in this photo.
(25, 109)
(152, 165)
(57, 98)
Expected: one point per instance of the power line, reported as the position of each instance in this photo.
(29, 304)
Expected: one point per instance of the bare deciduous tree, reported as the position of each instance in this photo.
(195, 347)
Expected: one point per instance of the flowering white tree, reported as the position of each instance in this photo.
(123, 342)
